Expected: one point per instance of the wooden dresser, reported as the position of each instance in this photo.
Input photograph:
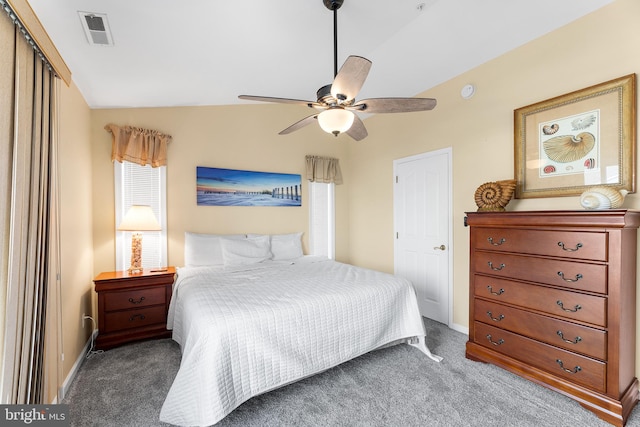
(553, 299)
(133, 307)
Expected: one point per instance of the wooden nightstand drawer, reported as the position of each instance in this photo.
(127, 299)
(127, 319)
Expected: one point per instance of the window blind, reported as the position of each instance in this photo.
(141, 185)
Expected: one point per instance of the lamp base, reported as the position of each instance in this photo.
(136, 254)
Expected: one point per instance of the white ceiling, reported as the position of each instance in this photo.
(207, 52)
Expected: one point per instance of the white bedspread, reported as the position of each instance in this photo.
(247, 330)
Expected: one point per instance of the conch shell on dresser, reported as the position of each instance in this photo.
(602, 198)
(494, 196)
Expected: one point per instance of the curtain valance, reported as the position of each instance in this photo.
(137, 145)
(323, 169)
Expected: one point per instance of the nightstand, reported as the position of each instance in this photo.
(133, 307)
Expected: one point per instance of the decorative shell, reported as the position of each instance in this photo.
(583, 122)
(494, 196)
(550, 130)
(602, 198)
(567, 148)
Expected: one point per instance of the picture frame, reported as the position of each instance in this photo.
(233, 187)
(566, 144)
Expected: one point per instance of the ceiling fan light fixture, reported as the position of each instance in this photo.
(335, 120)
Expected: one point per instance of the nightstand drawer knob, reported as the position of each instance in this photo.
(136, 316)
(132, 301)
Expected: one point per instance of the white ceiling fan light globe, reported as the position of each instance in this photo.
(335, 120)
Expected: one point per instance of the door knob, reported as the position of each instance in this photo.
(441, 247)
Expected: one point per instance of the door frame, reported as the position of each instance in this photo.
(448, 151)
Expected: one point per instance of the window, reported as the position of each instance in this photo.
(322, 219)
(141, 185)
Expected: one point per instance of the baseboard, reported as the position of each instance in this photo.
(64, 388)
(459, 328)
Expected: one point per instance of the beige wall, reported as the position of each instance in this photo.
(597, 48)
(76, 224)
(240, 137)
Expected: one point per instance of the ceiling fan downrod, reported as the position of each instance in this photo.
(334, 5)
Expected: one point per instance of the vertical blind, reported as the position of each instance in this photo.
(28, 260)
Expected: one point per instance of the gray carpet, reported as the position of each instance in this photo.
(398, 386)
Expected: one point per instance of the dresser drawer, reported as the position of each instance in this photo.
(126, 299)
(569, 305)
(569, 274)
(568, 244)
(561, 363)
(577, 338)
(141, 317)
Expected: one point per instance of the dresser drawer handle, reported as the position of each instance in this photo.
(569, 371)
(132, 301)
(575, 341)
(495, 319)
(561, 244)
(136, 316)
(572, 310)
(496, 343)
(500, 292)
(578, 277)
(490, 240)
(496, 268)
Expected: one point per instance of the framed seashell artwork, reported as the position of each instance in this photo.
(568, 144)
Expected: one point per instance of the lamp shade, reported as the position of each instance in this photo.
(139, 218)
(335, 120)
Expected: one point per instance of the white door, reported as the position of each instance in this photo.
(422, 219)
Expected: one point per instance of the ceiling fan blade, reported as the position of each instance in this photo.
(394, 105)
(280, 100)
(299, 124)
(357, 130)
(350, 78)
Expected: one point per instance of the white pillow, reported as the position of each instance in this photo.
(286, 246)
(245, 251)
(205, 249)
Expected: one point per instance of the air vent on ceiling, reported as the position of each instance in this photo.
(96, 28)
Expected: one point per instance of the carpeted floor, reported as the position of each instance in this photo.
(397, 386)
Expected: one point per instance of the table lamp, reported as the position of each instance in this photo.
(139, 218)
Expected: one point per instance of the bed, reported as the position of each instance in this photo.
(257, 315)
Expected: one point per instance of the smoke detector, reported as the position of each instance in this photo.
(96, 28)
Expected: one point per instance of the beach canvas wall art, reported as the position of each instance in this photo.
(231, 187)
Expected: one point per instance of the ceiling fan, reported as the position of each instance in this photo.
(336, 102)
